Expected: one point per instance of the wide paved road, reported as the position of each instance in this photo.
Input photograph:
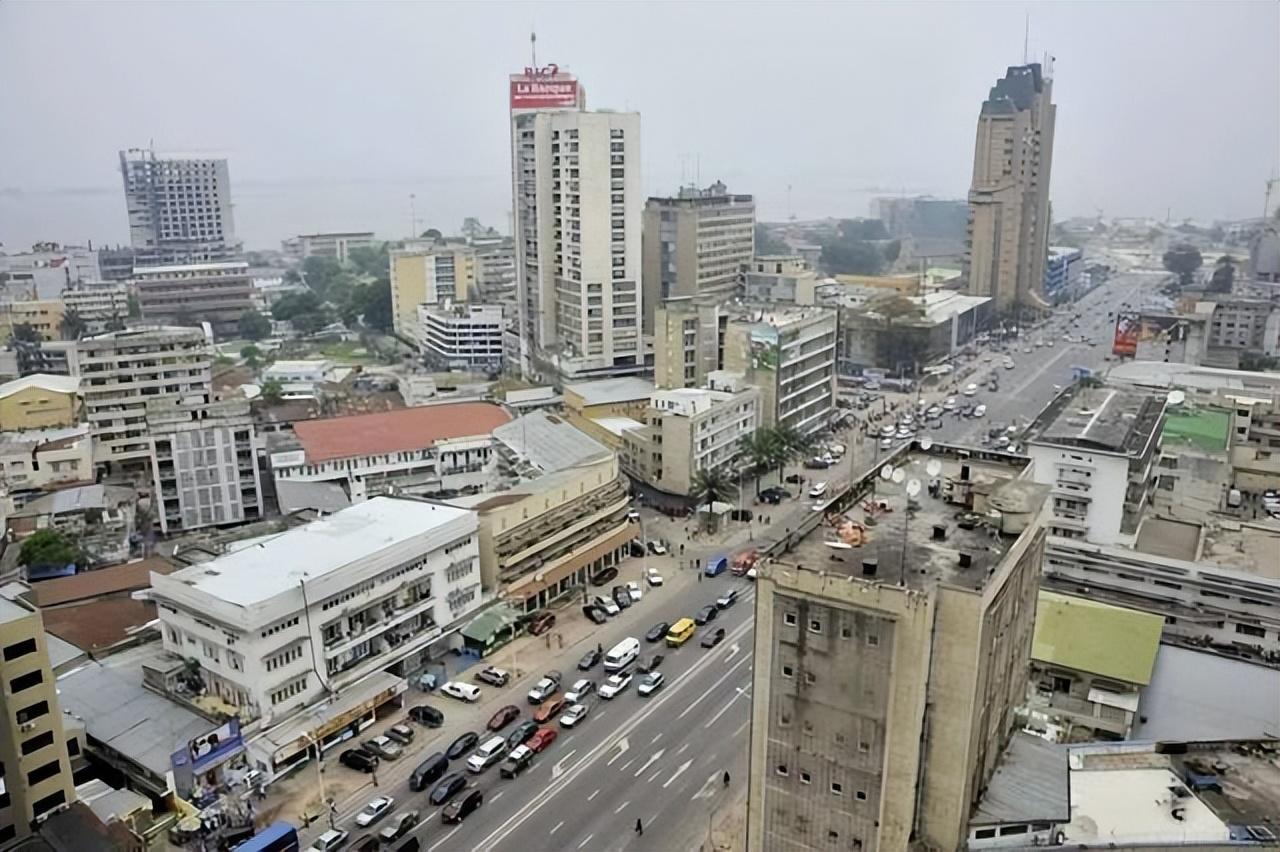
(660, 759)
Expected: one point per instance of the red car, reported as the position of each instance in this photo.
(504, 717)
(541, 622)
(549, 709)
(543, 738)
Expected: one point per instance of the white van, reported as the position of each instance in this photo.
(818, 490)
(622, 655)
(489, 753)
(970, 389)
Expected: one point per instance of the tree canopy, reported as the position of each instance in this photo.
(253, 325)
(272, 392)
(24, 332)
(767, 243)
(1224, 275)
(1183, 259)
(72, 324)
(49, 547)
(859, 248)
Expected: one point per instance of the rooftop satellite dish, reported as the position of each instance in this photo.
(925, 443)
(1176, 397)
(899, 474)
(933, 468)
(913, 488)
(886, 472)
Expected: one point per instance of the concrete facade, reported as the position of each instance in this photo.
(462, 335)
(216, 293)
(337, 245)
(790, 355)
(779, 278)
(100, 304)
(44, 316)
(688, 342)
(39, 402)
(435, 274)
(179, 208)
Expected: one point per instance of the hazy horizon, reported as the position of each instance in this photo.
(331, 115)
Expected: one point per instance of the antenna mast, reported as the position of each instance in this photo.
(1026, 35)
(533, 47)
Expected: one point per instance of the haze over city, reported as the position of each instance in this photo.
(331, 115)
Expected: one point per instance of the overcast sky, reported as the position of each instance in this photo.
(333, 114)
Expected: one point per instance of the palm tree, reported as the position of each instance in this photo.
(792, 445)
(72, 325)
(759, 449)
(713, 485)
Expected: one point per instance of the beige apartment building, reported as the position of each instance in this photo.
(695, 243)
(1008, 237)
(784, 278)
(35, 767)
(886, 674)
(427, 273)
(688, 430)
(44, 316)
(688, 342)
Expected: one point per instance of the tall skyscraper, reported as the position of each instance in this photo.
(179, 209)
(577, 208)
(696, 244)
(1009, 198)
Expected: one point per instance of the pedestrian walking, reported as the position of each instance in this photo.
(639, 827)
(726, 778)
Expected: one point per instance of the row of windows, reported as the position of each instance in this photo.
(815, 626)
(19, 649)
(283, 625)
(284, 658)
(289, 690)
(457, 545)
(837, 788)
(459, 571)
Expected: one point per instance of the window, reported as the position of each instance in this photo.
(26, 681)
(37, 742)
(73, 747)
(789, 619)
(984, 833)
(788, 671)
(19, 649)
(1006, 830)
(837, 789)
(864, 747)
(784, 719)
(1250, 630)
(873, 640)
(805, 777)
(846, 632)
(49, 802)
(34, 711)
(815, 626)
(809, 677)
(781, 769)
(42, 773)
(861, 795)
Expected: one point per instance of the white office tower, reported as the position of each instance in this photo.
(577, 205)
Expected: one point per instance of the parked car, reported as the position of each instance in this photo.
(449, 786)
(375, 810)
(575, 714)
(650, 683)
(589, 660)
(330, 841)
(399, 827)
(615, 684)
(517, 761)
(657, 632)
(621, 597)
(656, 547)
(402, 734)
(505, 716)
(650, 664)
(542, 738)
(425, 714)
(707, 613)
(545, 687)
(581, 689)
(354, 758)
(595, 613)
(463, 744)
(606, 604)
(728, 599)
(383, 747)
(461, 691)
(652, 577)
(487, 754)
(520, 733)
(817, 464)
(493, 676)
(464, 807)
(429, 771)
(604, 575)
(633, 589)
(541, 622)
(794, 479)
(713, 638)
(549, 709)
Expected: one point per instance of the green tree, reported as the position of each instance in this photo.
(135, 308)
(272, 392)
(1183, 259)
(49, 547)
(293, 276)
(378, 307)
(311, 321)
(252, 356)
(321, 273)
(713, 485)
(373, 261)
(792, 445)
(253, 325)
(116, 323)
(759, 450)
(1224, 275)
(72, 325)
(25, 332)
(291, 304)
(767, 243)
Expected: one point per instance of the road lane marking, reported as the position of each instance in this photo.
(593, 795)
(656, 737)
(622, 746)
(498, 796)
(585, 840)
(621, 807)
(445, 839)
(653, 758)
(558, 769)
(679, 771)
(682, 749)
(712, 688)
(623, 767)
(654, 776)
(741, 728)
(430, 817)
(557, 828)
(507, 826)
(708, 787)
(725, 708)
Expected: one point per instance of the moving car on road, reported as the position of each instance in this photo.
(549, 709)
(547, 686)
(727, 600)
(521, 733)
(657, 631)
(650, 683)
(615, 684)
(657, 548)
(399, 827)
(330, 841)
(622, 655)
(516, 762)
(461, 691)
(463, 744)
(575, 714)
(542, 739)
(589, 660)
(464, 807)
(652, 577)
(449, 786)
(489, 753)
(374, 811)
(429, 771)
(707, 613)
(581, 689)
(505, 716)
(680, 632)
(714, 638)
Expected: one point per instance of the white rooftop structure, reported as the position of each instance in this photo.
(1127, 806)
(947, 304)
(687, 402)
(43, 381)
(604, 391)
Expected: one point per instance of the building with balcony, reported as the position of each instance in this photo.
(337, 245)
(429, 273)
(424, 450)
(689, 430)
(467, 336)
(215, 293)
(887, 674)
(39, 401)
(300, 616)
(205, 464)
(1096, 447)
(1089, 664)
(101, 305)
(688, 341)
(33, 745)
(120, 372)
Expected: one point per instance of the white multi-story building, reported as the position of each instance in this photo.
(1096, 448)
(495, 269)
(121, 371)
(462, 335)
(428, 273)
(179, 208)
(420, 451)
(310, 612)
(578, 206)
(100, 304)
(337, 245)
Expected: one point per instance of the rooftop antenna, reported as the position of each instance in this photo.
(533, 47)
(1026, 35)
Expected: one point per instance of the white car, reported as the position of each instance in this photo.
(886, 431)
(607, 604)
(657, 548)
(581, 689)
(980, 411)
(949, 404)
(1009, 365)
(633, 515)
(903, 434)
(633, 589)
(575, 714)
(970, 390)
(650, 684)
(329, 841)
(886, 443)
(461, 691)
(375, 810)
(615, 684)
(652, 577)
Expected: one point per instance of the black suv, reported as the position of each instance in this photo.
(604, 575)
(359, 760)
(449, 786)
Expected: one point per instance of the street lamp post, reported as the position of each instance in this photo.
(324, 798)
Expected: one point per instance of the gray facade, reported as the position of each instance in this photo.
(179, 209)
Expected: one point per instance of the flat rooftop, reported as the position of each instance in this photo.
(1247, 547)
(949, 532)
(1173, 793)
(1202, 428)
(607, 391)
(1196, 694)
(546, 442)
(10, 611)
(1159, 374)
(1109, 419)
(396, 431)
(1098, 638)
(1029, 784)
(280, 563)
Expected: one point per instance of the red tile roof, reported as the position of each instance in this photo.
(396, 431)
(104, 581)
(98, 624)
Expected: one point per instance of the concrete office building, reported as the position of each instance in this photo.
(429, 274)
(496, 270)
(43, 316)
(46, 270)
(205, 465)
(33, 746)
(121, 372)
(688, 341)
(1063, 273)
(1009, 198)
(179, 208)
(464, 335)
(576, 197)
(313, 611)
(886, 680)
(100, 304)
(1096, 448)
(784, 278)
(695, 243)
(216, 293)
(689, 430)
(337, 244)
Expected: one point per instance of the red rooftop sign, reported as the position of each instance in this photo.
(543, 88)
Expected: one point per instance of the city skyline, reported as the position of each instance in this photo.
(1120, 76)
